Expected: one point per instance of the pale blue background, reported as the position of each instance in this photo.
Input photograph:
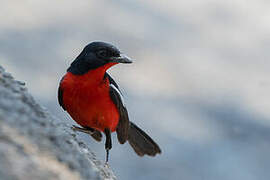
(199, 86)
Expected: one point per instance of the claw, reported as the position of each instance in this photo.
(87, 131)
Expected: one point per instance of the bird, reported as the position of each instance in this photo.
(94, 101)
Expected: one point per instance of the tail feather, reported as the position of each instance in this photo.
(141, 142)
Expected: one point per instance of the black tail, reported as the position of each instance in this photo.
(141, 142)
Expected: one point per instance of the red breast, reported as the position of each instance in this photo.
(86, 98)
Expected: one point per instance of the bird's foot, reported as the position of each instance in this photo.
(84, 130)
(107, 165)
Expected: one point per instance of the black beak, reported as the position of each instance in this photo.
(121, 59)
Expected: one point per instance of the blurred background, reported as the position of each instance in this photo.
(199, 86)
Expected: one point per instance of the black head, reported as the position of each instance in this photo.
(97, 54)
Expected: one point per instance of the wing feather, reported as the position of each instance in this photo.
(60, 96)
(123, 124)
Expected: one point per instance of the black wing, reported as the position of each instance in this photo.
(60, 96)
(123, 124)
(112, 81)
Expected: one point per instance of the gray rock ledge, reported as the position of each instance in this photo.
(34, 146)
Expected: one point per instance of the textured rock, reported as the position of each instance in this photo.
(34, 146)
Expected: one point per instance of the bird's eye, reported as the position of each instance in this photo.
(102, 53)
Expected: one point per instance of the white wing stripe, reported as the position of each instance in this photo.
(120, 94)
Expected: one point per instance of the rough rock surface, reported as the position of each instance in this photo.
(34, 146)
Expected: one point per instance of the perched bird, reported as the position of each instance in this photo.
(93, 99)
